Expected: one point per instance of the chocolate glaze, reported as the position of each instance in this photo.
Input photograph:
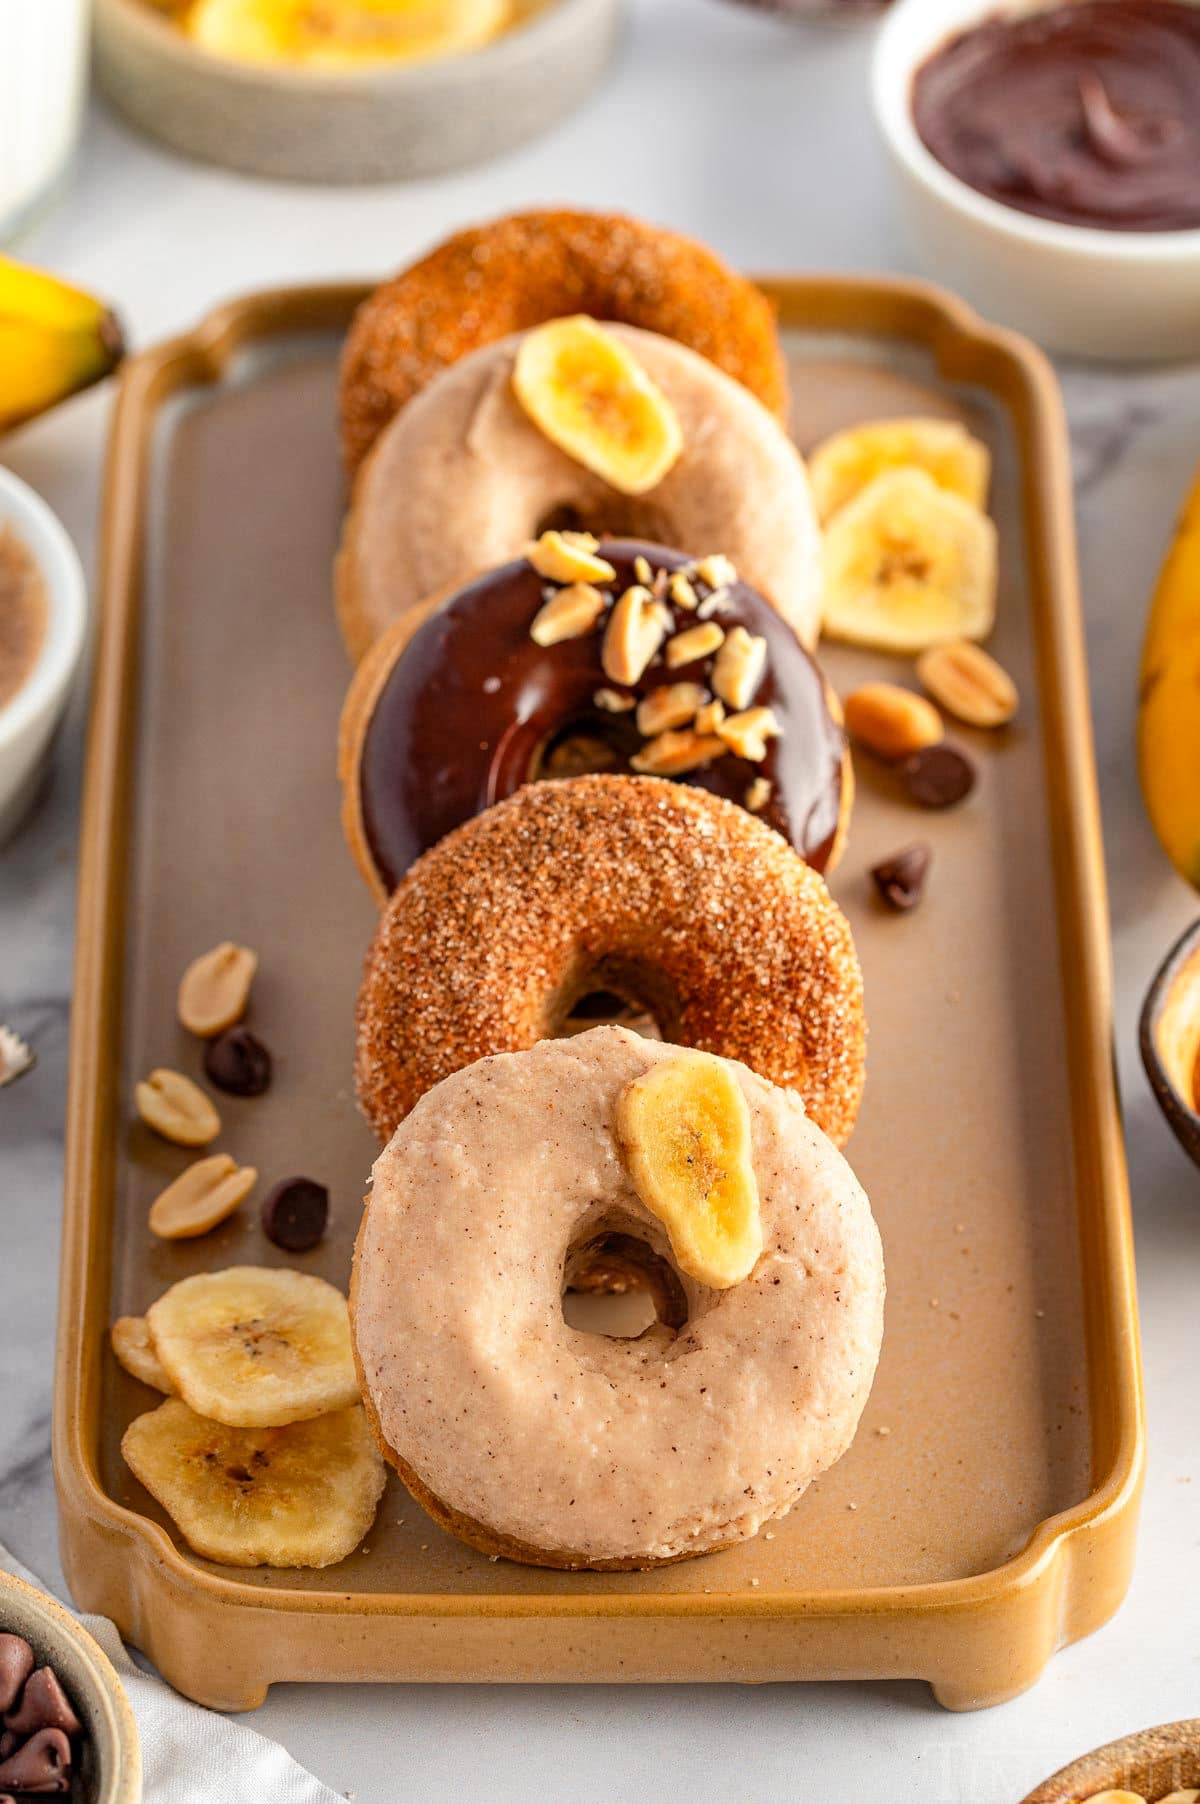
(1087, 113)
(472, 709)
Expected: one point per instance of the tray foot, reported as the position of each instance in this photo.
(961, 1695)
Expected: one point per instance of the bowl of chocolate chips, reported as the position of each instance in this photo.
(66, 1728)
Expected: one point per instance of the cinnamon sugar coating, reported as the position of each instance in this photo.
(668, 895)
(514, 273)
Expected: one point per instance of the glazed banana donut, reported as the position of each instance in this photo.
(534, 1441)
(514, 273)
(462, 479)
(458, 705)
(673, 899)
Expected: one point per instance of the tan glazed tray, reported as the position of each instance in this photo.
(985, 1515)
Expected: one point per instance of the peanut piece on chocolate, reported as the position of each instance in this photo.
(681, 591)
(215, 989)
(671, 706)
(613, 702)
(636, 629)
(739, 667)
(746, 734)
(716, 570)
(710, 717)
(569, 557)
(569, 614)
(969, 683)
(177, 1108)
(671, 754)
(890, 721)
(693, 643)
(758, 794)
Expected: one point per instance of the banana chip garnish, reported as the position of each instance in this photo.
(684, 1132)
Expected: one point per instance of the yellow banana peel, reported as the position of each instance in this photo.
(54, 340)
(1169, 698)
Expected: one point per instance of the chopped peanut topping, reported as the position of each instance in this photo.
(671, 754)
(747, 734)
(739, 667)
(758, 794)
(672, 706)
(710, 717)
(613, 702)
(681, 590)
(569, 614)
(637, 627)
(695, 642)
(569, 557)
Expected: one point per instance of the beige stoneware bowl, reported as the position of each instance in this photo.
(91, 1682)
(375, 124)
(1151, 1764)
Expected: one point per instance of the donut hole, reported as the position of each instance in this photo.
(616, 1285)
(619, 992)
(616, 517)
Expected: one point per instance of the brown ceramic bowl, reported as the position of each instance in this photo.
(1151, 1764)
(113, 1769)
(1169, 1036)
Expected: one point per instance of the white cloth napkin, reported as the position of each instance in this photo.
(191, 1755)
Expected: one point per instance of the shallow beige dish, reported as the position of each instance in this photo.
(1154, 1763)
(91, 1681)
(367, 125)
(961, 1544)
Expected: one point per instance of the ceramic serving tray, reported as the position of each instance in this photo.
(985, 1514)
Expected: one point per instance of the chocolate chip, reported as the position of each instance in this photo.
(42, 1765)
(938, 776)
(238, 1063)
(294, 1214)
(900, 879)
(16, 1664)
(44, 1705)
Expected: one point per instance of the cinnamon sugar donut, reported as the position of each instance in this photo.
(669, 897)
(458, 705)
(463, 479)
(532, 1440)
(514, 273)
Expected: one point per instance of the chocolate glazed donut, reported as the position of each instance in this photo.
(457, 707)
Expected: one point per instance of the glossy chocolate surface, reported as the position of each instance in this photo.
(1088, 114)
(473, 708)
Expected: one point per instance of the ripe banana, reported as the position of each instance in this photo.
(54, 340)
(1168, 717)
(591, 397)
(342, 34)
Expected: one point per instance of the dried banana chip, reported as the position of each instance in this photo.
(304, 1495)
(256, 1346)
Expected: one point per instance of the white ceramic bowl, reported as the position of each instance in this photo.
(375, 124)
(1123, 295)
(28, 721)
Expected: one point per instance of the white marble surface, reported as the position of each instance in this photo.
(756, 136)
